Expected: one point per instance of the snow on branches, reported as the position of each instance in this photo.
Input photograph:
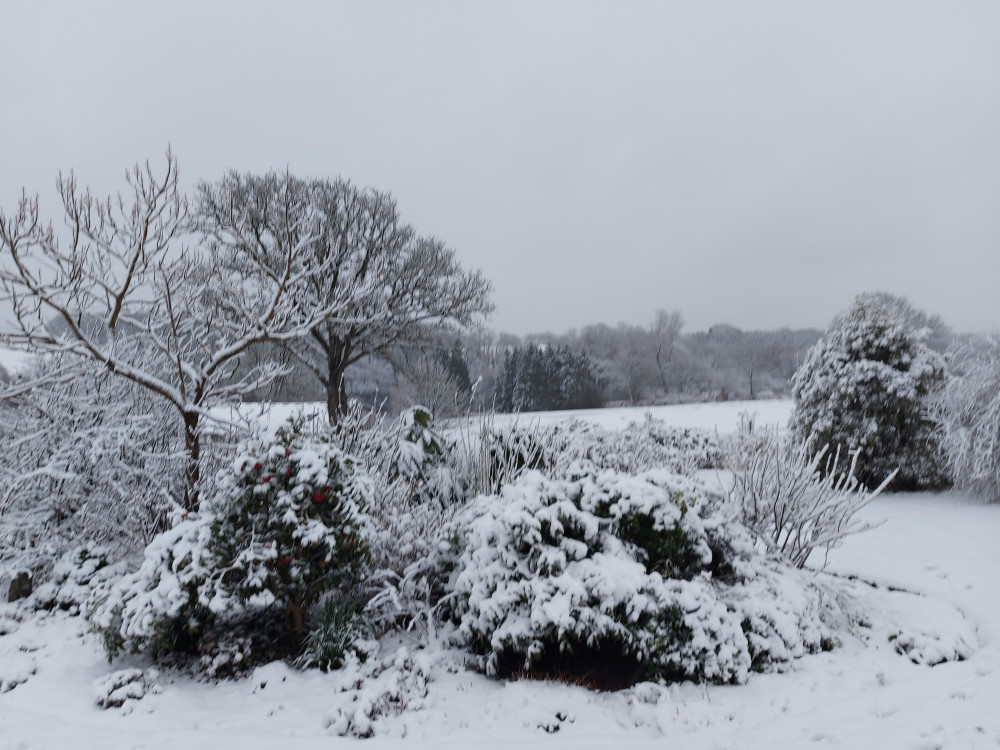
(168, 298)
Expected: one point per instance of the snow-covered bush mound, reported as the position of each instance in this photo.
(610, 579)
(239, 582)
(378, 690)
(117, 688)
(75, 577)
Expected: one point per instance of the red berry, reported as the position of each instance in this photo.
(265, 480)
(319, 497)
(257, 465)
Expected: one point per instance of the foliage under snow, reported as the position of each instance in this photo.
(609, 579)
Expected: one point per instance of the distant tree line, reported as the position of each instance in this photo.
(479, 369)
(536, 378)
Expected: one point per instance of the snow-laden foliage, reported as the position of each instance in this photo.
(88, 458)
(165, 605)
(866, 386)
(481, 458)
(421, 458)
(287, 527)
(290, 522)
(793, 499)
(610, 579)
(968, 417)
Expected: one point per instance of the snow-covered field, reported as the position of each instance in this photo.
(722, 417)
(927, 584)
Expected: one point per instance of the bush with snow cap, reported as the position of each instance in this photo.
(287, 527)
(610, 579)
(866, 386)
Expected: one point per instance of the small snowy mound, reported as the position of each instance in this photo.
(376, 691)
(114, 690)
(608, 579)
(928, 631)
(17, 664)
(15, 668)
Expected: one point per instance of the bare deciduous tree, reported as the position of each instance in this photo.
(417, 283)
(143, 289)
(667, 330)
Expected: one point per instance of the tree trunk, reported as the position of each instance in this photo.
(336, 398)
(659, 366)
(337, 359)
(192, 455)
(297, 624)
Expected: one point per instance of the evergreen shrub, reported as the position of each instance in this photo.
(239, 581)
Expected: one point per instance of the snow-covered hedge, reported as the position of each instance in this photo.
(867, 386)
(636, 448)
(610, 579)
(287, 527)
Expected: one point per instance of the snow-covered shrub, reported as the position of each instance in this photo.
(793, 499)
(164, 606)
(610, 579)
(290, 524)
(237, 582)
(866, 386)
(968, 418)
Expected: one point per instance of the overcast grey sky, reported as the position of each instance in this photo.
(757, 163)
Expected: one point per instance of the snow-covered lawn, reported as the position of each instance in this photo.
(927, 586)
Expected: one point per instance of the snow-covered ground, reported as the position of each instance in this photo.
(928, 578)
